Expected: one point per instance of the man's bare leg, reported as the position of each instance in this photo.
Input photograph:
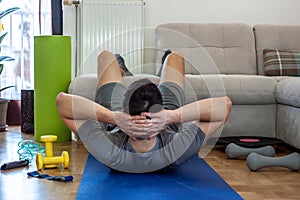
(173, 69)
(74, 110)
(109, 70)
(212, 113)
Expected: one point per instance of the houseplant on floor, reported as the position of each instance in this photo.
(4, 102)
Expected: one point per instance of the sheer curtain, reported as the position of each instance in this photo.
(33, 18)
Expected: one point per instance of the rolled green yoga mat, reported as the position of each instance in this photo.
(52, 75)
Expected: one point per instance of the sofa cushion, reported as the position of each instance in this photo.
(281, 62)
(284, 37)
(288, 92)
(242, 89)
(86, 85)
(210, 48)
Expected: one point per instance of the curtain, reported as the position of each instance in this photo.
(33, 18)
(57, 17)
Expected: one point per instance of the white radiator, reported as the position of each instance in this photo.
(111, 25)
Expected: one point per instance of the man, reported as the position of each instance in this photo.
(164, 135)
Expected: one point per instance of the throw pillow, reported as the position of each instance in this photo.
(281, 62)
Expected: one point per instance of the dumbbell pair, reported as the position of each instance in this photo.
(258, 158)
(51, 161)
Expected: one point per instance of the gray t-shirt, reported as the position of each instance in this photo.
(114, 149)
(175, 144)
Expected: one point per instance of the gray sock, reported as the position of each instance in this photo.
(121, 63)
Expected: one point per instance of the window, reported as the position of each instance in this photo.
(33, 18)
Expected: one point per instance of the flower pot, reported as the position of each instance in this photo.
(3, 113)
(14, 112)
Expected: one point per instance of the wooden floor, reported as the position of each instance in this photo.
(268, 183)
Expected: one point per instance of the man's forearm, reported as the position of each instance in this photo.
(79, 108)
(207, 110)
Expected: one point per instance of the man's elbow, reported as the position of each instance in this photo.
(228, 107)
(60, 99)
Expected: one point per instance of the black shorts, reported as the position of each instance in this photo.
(111, 96)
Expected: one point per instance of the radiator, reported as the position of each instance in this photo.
(111, 25)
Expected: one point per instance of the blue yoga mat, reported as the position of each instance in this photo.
(195, 179)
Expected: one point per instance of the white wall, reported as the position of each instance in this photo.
(217, 11)
(247, 11)
(206, 11)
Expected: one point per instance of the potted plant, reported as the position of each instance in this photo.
(4, 102)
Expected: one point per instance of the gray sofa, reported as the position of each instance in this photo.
(227, 59)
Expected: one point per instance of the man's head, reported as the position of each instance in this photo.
(142, 96)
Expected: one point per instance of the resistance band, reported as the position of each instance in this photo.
(28, 149)
(51, 178)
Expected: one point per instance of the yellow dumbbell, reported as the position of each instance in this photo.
(51, 161)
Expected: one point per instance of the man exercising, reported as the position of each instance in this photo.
(144, 127)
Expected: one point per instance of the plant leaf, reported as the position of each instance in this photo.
(1, 68)
(6, 58)
(2, 37)
(6, 88)
(8, 11)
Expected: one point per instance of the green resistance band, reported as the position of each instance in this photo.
(28, 149)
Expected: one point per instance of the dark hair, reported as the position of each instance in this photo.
(142, 96)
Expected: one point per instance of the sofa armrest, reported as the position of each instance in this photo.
(84, 85)
(288, 92)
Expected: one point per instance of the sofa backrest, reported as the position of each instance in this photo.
(230, 46)
(282, 37)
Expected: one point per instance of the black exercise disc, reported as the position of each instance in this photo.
(256, 141)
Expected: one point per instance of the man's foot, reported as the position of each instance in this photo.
(163, 60)
(122, 65)
(112, 128)
(76, 138)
